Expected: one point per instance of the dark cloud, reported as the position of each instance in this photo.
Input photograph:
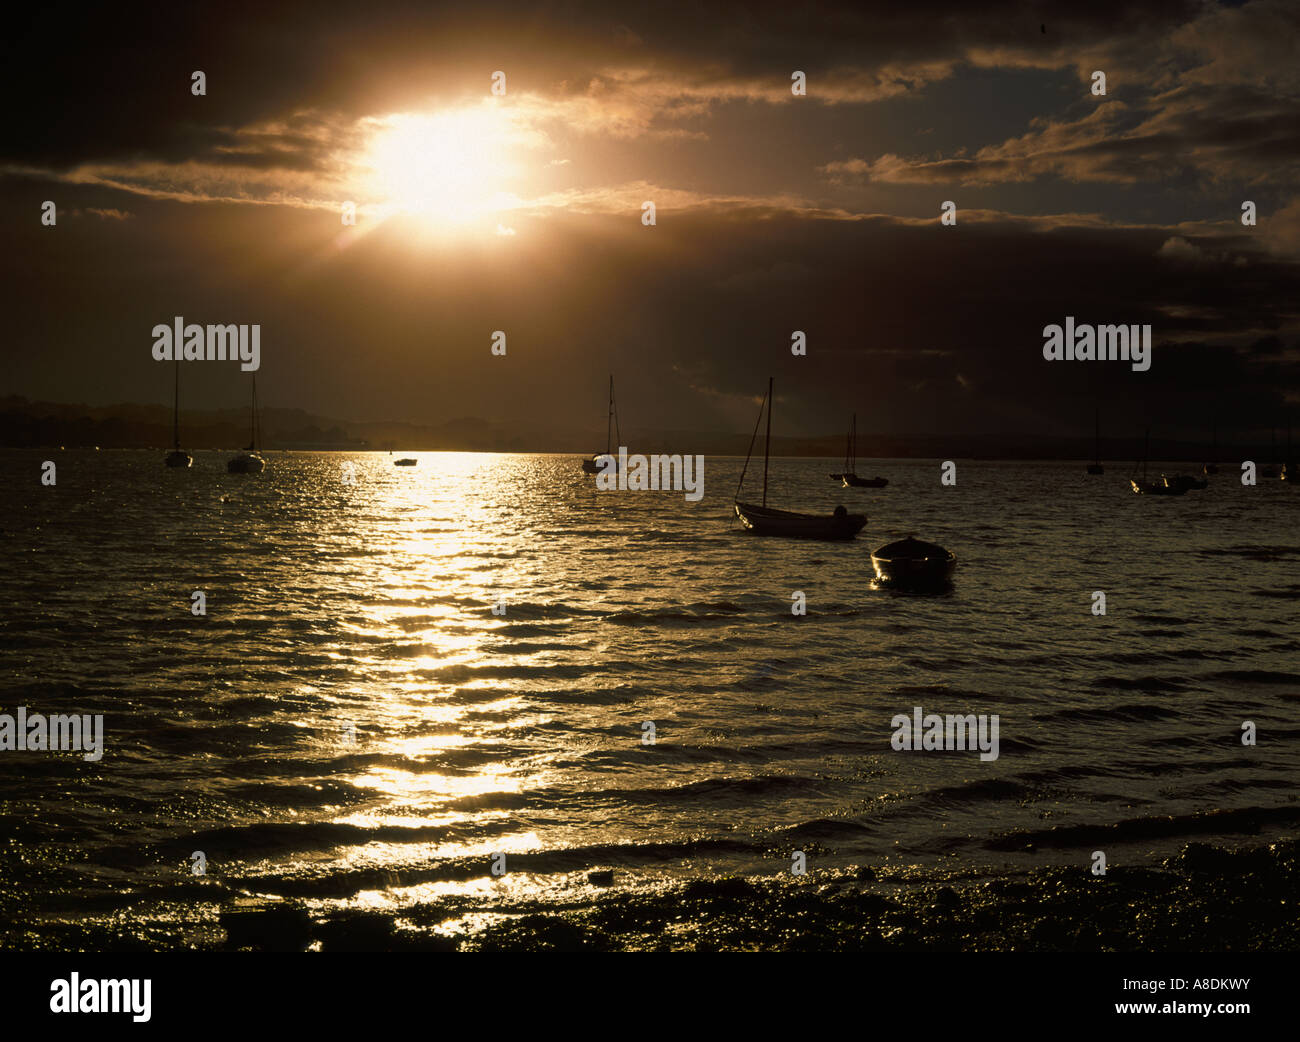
(919, 327)
(112, 82)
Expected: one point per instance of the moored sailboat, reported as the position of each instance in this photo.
(1163, 487)
(249, 462)
(597, 463)
(765, 520)
(1270, 469)
(178, 457)
(1095, 467)
(1212, 465)
(849, 476)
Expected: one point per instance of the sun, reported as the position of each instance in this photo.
(452, 166)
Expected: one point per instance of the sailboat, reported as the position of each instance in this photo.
(1095, 466)
(849, 476)
(1154, 488)
(178, 457)
(1290, 472)
(1212, 467)
(1269, 470)
(249, 462)
(594, 465)
(764, 520)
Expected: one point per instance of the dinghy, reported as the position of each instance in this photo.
(913, 562)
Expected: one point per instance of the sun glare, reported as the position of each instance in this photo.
(451, 166)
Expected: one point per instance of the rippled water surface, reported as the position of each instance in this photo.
(366, 609)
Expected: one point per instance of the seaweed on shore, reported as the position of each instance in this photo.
(1204, 899)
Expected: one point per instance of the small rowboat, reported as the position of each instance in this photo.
(913, 562)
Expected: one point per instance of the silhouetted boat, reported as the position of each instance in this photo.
(1095, 466)
(849, 477)
(597, 463)
(1188, 483)
(178, 457)
(1212, 466)
(405, 462)
(249, 462)
(1270, 470)
(913, 562)
(764, 520)
(1163, 487)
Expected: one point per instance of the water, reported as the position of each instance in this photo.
(367, 608)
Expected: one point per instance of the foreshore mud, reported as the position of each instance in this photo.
(1204, 899)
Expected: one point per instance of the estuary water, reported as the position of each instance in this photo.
(351, 723)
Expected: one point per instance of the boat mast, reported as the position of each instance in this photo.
(1146, 454)
(1096, 436)
(609, 419)
(618, 434)
(176, 409)
(767, 444)
(252, 431)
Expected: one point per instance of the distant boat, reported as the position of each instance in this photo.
(177, 457)
(1212, 467)
(1163, 487)
(1189, 483)
(596, 463)
(1290, 473)
(249, 462)
(849, 476)
(764, 520)
(913, 562)
(1270, 470)
(1095, 466)
(404, 462)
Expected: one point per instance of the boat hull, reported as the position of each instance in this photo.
(250, 463)
(912, 562)
(596, 464)
(853, 481)
(404, 463)
(1096, 468)
(178, 459)
(792, 525)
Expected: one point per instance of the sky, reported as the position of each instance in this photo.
(522, 211)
